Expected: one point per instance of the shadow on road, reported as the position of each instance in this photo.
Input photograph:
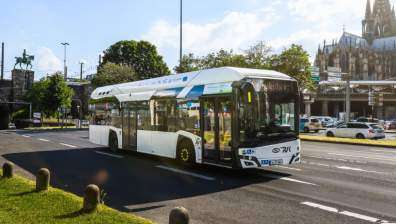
(132, 180)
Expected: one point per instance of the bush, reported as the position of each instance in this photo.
(21, 114)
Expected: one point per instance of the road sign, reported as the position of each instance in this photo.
(371, 99)
(381, 99)
(315, 78)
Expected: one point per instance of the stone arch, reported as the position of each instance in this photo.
(377, 30)
(385, 29)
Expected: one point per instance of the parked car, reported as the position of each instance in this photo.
(326, 121)
(390, 125)
(367, 119)
(310, 124)
(358, 130)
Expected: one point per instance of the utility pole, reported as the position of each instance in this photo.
(2, 61)
(181, 32)
(348, 97)
(65, 44)
(81, 70)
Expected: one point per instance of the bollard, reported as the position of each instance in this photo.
(8, 170)
(179, 215)
(43, 179)
(91, 198)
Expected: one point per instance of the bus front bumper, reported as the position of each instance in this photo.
(271, 155)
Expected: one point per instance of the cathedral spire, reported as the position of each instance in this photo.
(368, 9)
(381, 6)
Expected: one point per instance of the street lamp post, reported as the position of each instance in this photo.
(65, 44)
(181, 33)
(348, 97)
(79, 117)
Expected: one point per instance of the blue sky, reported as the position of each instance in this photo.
(90, 26)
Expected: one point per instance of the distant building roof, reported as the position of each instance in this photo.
(384, 44)
(352, 40)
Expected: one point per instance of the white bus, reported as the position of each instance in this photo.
(229, 117)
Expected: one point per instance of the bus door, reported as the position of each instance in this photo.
(216, 129)
(129, 129)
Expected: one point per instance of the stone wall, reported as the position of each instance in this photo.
(22, 81)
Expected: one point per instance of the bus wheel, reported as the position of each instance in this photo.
(113, 141)
(185, 152)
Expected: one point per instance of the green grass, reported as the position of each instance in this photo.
(383, 143)
(20, 204)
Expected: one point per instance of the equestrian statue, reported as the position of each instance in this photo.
(24, 60)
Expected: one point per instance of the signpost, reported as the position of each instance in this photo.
(36, 118)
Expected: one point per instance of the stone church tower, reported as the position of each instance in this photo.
(379, 22)
(371, 56)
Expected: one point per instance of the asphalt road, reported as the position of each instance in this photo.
(334, 184)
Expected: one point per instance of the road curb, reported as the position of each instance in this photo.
(348, 143)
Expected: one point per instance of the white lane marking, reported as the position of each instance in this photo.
(321, 164)
(356, 169)
(44, 140)
(186, 173)
(323, 207)
(316, 157)
(287, 179)
(289, 168)
(109, 154)
(67, 145)
(359, 216)
(346, 213)
(349, 168)
(26, 136)
(365, 157)
(345, 168)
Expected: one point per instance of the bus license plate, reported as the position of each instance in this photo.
(271, 162)
(276, 162)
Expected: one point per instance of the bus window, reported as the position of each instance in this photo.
(116, 119)
(165, 112)
(210, 126)
(187, 117)
(225, 129)
(144, 118)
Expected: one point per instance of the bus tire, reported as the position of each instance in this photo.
(186, 152)
(113, 141)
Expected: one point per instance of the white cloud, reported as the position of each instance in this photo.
(280, 23)
(47, 61)
(322, 13)
(309, 39)
(234, 31)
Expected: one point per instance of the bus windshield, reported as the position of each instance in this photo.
(268, 111)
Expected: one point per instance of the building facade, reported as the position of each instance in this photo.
(368, 57)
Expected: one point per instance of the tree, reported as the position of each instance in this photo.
(189, 63)
(257, 56)
(141, 56)
(36, 95)
(294, 61)
(58, 94)
(111, 73)
(49, 94)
